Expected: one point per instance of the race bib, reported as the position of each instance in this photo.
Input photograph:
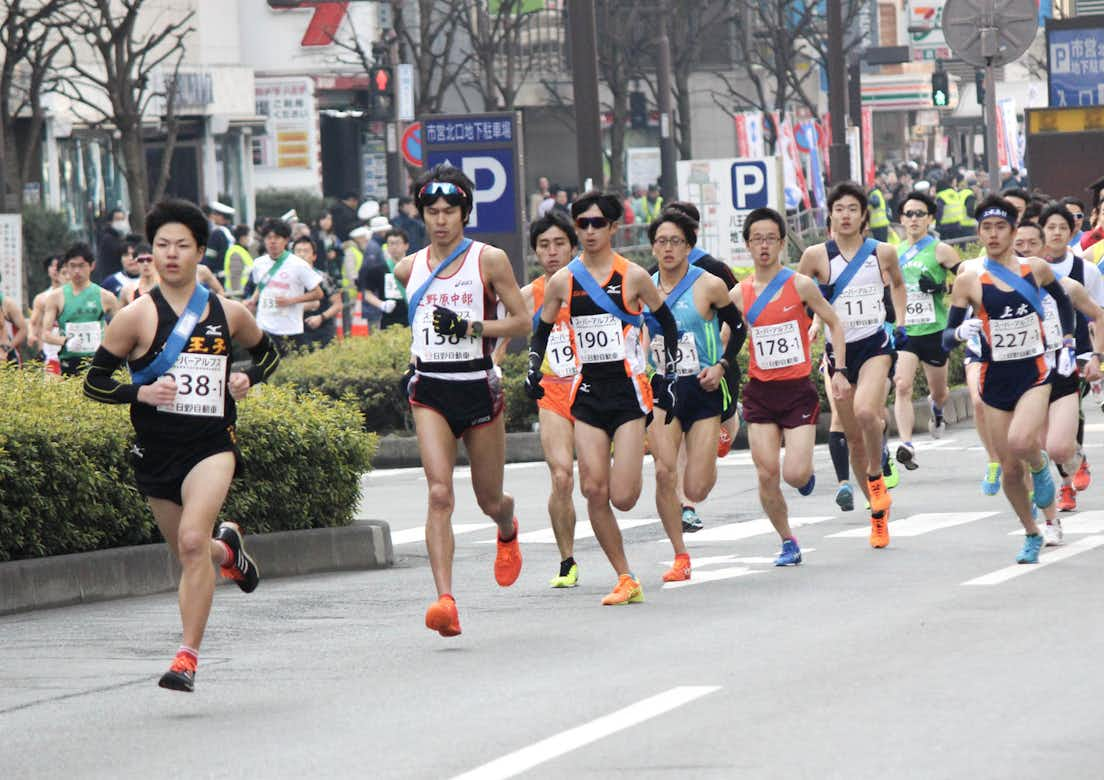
(561, 354)
(1016, 338)
(1052, 325)
(432, 347)
(920, 308)
(391, 290)
(87, 334)
(777, 346)
(200, 385)
(267, 303)
(599, 338)
(686, 362)
(860, 307)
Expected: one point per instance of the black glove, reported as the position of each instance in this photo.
(663, 393)
(533, 377)
(900, 337)
(448, 323)
(929, 285)
(404, 381)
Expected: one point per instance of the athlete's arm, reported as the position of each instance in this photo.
(50, 311)
(1045, 278)
(499, 274)
(36, 320)
(205, 277)
(119, 340)
(964, 293)
(824, 312)
(814, 263)
(891, 269)
(245, 330)
(403, 268)
(946, 256)
(15, 317)
(729, 315)
(1084, 303)
(647, 293)
(500, 350)
(110, 303)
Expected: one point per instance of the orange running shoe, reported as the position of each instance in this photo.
(181, 674)
(724, 443)
(879, 496)
(507, 564)
(1067, 499)
(879, 531)
(680, 570)
(1083, 476)
(442, 616)
(627, 591)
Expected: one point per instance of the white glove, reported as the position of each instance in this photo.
(969, 329)
(1067, 358)
(72, 344)
(388, 306)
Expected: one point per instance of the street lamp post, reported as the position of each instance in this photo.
(839, 157)
(667, 154)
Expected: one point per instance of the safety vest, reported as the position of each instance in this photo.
(348, 280)
(967, 220)
(237, 265)
(954, 207)
(1095, 253)
(649, 211)
(878, 216)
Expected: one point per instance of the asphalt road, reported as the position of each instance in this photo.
(936, 657)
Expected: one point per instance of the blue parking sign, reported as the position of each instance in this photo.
(494, 207)
(749, 185)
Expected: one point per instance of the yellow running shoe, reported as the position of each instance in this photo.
(569, 580)
(627, 591)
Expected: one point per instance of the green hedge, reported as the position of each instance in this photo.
(66, 485)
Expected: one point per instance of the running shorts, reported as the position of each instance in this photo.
(557, 397)
(160, 468)
(858, 352)
(609, 404)
(788, 403)
(1003, 383)
(1061, 386)
(465, 404)
(929, 348)
(693, 402)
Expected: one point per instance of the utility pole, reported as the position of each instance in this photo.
(668, 178)
(839, 158)
(584, 77)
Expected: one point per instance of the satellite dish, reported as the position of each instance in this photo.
(989, 32)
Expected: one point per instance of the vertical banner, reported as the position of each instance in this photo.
(753, 123)
(812, 137)
(797, 192)
(854, 148)
(868, 146)
(1006, 110)
(1002, 140)
(740, 120)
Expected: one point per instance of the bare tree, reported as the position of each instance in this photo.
(426, 35)
(133, 73)
(627, 49)
(497, 64)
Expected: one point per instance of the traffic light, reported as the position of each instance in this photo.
(381, 90)
(941, 89)
(638, 110)
(979, 86)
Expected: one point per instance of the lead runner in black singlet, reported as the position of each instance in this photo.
(185, 454)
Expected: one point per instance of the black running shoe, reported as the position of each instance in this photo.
(181, 675)
(242, 569)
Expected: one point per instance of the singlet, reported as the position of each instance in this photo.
(82, 316)
(778, 343)
(203, 407)
(925, 313)
(606, 348)
(699, 339)
(1073, 267)
(1013, 330)
(860, 305)
(454, 358)
(559, 358)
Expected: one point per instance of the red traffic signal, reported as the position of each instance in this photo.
(381, 81)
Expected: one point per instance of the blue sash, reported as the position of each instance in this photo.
(916, 249)
(598, 295)
(773, 286)
(1028, 292)
(684, 284)
(416, 298)
(865, 251)
(696, 254)
(174, 344)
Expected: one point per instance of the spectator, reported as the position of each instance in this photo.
(220, 239)
(110, 245)
(538, 197)
(327, 247)
(372, 266)
(381, 289)
(319, 326)
(410, 222)
(651, 205)
(238, 265)
(560, 203)
(344, 215)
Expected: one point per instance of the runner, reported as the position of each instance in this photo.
(781, 406)
(177, 342)
(119, 280)
(13, 330)
(284, 283)
(59, 275)
(925, 264)
(854, 273)
(454, 393)
(378, 284)
(80, 309)
(1008, 314)
(699, 303)
(611, 396)
(319, 327)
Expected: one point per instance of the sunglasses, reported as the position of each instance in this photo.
(582, 223)
(915, 213)
(445, 188)
(144, 258)
(1077, 217)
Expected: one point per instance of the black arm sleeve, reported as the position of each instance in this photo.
(890, 309)
(956, 315)
(538, 345)
(731, 316)
(1065, 306)
(101, 385)
(265, 360)
(670, 337)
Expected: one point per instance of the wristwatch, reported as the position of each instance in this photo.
(477, 329)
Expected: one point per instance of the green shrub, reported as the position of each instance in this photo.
(274, 201)
(45, 232)
(66, 485)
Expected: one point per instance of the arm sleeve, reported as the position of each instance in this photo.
(730, 315)
(1065, 306)
(265, 360)
(101, 385)
(538, 345)
(670, 337)
(890, 309)
(956, 315)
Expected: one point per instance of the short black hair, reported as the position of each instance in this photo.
(277, 226)
(1016, 192)
(451, 175)
(1031, 212)
(178, 210)
(923, 197)
(405, 200)
(304, 240)
(679, 219)
(995, 201)
(553, 219)
(349, 195)
(760, 214)
(1035, 225)
(240, 231)
(845, 188)
(1056, 208)
(50, 260)
(1072, 200)
(687, 208)
(398, 233)
(79, 249)
(607, 202)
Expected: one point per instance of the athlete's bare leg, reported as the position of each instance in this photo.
(1061, 433)
(700, 471)
(664, 442)
(937, 382)
(903, 380)
(845, 414)
(557, 436)
(765, 441)
(1015, 436)
(592, 446)
(869, 409)
(973, 382)
(437, 446)
(797, 465)
(486, 445)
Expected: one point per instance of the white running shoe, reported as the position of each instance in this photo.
(1052, 533)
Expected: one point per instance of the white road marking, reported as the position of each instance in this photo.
(522, 760)
(732, 532)
(1080, 523)
(915, 525)
(1047, 558)
(712, 575)
(411, 535)
(712, 560)
(935, 444)
(582, 531)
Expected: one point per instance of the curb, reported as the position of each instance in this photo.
(402, 451)
(83, 578)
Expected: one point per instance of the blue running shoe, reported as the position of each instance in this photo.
(845, 497)
(990, 485)
(1043, 482)
(807, 488)
(1031, 547)
(790, 555)
(691, 523)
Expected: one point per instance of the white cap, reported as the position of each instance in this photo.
(291, 215)
(367, 210)
(360, 232)
(379, 225)
(922, 186)
(221, 208)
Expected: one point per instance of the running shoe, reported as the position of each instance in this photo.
(724, 443)
(906, 456)
(879, 531)
(181, 674)
(627, 591)
(893, 478)
(990, 483)
(691, 523)
(879, 494)
(937, 426)
(241, 568)
(790, 555)
(680, 569)
(1083, 477)
(1052, 533)
(1043, 482)
(1067, 499)
(845, 497)
(569, 580)
(507, 565)
(442, 616)
(807, 488)
(1031, 546)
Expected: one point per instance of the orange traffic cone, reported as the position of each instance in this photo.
(360, 325)
(339, 321)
